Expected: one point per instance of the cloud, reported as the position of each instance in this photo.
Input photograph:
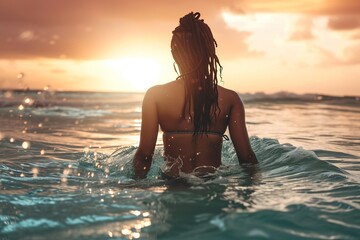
(314, 7)
(340, 23)
(326, 58)
(81, 41)
(302, 30)
(356, 35)
(58, 71)
(352, 54)
(232, 43)
(92, 29)
(237, 46)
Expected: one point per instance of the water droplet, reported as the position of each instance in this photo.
(198, 153)
(42, 151)
(66, 171)
(102, 200)
(40, 125)
(135, 212)
(86, 149)
(125, 231)
(20, 75)
(28, 101)
(227, 116)
(35, 172)
(27, 35)
(21, 107)
(22, 175)
(136, 235)
(46, 88)
(25, 145)
(110, 234)
(12, 140)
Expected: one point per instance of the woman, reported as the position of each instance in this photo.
(193, 111)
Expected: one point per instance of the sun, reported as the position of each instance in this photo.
(136, 73)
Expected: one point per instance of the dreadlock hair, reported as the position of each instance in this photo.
(193, 49)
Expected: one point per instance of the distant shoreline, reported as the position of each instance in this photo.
(279, 94)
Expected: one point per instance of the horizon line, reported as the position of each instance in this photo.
(143, 92)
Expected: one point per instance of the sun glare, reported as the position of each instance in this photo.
(136, 73)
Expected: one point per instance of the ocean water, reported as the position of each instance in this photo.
(65, 172)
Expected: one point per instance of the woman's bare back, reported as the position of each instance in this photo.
(162, 106)
(182, 150)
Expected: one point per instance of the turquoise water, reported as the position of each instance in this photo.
(65, 172)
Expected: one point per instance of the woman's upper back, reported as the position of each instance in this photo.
(170, 100)
(181, 148)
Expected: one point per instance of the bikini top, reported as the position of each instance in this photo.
(208, 132)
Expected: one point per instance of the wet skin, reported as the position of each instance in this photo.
(162, 107)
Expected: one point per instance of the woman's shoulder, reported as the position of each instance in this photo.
(227, 93)
(161, 89)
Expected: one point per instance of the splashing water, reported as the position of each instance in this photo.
(73, 180)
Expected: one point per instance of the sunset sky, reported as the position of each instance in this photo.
(300, 46)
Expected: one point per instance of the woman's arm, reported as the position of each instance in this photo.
(148, 135)
(238, 132)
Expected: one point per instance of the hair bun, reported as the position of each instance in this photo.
(188, 22)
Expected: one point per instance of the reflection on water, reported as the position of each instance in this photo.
(66, 172)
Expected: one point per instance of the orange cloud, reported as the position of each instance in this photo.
(92, 29)
(302, 30)
(344, 23)
(317, 7)
(352, 54)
